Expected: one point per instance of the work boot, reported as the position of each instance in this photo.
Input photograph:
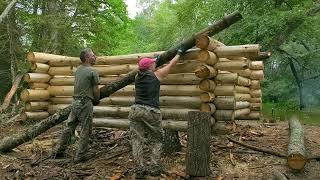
(140, 172)
(156, 170)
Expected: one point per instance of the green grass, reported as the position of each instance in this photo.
(284, 112)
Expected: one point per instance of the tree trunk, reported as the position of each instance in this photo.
(198, 147)
(7, 10)
(299, 83)
(171, 141)
(296, 148)
(11, 93)
(33, 116)
(11, 142)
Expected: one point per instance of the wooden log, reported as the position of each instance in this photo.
(38, 85)
(39, 68)
(225, 103)
(198, 147)
(124, 124)
(34, 95)
(241, 112)
(226, 78)
(180, 79)
(34, 116)
(11, 93)
(262, 56)
(256, 65)
(190, 54)
(36, 106)
(296, 148)
(255, 106)
(256, 100)
(207, 57)
(250, 50)
(227, 90)
(207, 97)
(207, 85)
(255, 84)
(253, 115)
(257, 75)
(38, 57)
(15, 140)
(242, 81)
(205, 72)
(205, 42)
(232, 65)
(244, 73)
(224, 115)
(256, 93)
(242, 105)
(208, 107)
(242, 97)
(37, 78)
(242, 89)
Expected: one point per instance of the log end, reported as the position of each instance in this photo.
(24, 96)
(296, 161)
(202, 41)
(31, 57)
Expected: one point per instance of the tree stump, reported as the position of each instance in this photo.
(198, 147)
(171, 141)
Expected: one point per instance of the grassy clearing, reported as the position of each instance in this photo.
(284, 112)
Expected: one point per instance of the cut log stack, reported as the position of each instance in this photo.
(235, 89)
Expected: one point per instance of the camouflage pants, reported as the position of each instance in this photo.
(145, 120)
(81, 112)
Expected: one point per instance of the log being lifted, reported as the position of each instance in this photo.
(250, 50)
(9, 143)
(296, 148)
(37, 78)
(39, 68)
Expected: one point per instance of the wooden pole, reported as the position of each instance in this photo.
(10, 94)
(198, 147)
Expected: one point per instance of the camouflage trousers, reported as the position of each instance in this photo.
(81, 112)
(145, 126)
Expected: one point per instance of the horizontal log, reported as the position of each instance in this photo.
(205, 72)
(123, 112)
(255, 84)
(34, 95)
(207, 85)
(242, 81)
(256, 65)
(244, 73)
(207, 43)
(242, 89)
(38, 57)
(257, 75)
(256, 100)
(38, 85)
(33, 116)
(224, 115)
(262, 56)
(250, 50)
(190, 54)
(253, 115)
(224, 90)
(255, 106)
(242, 105)
(225, 103)
(226, 78)
(39, 68)
(207, 57)
(232, 65)
(36, 106)
(256, 93)
(185, 67)
(208, 107)
(242, 97)
(207, 97)
(37, 78)
(241, 112)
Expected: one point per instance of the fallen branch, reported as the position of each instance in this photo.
(257, 149)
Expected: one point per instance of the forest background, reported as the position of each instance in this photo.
(290, 29)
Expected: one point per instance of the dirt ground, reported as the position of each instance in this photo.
(110, 156)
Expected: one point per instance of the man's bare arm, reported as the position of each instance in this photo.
(163, 72)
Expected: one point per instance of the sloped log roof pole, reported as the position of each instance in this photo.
(13, 141)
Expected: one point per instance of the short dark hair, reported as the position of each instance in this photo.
(85, 54)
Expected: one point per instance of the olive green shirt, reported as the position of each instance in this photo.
(85, 79)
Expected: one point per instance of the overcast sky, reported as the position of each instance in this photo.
(132, 9)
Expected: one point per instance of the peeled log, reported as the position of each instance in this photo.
(245, 73)
(224, 115)
(257, 75)
(208, 107)
(232, 65)
(250, 50)
(256, 93)
(242, 89)
(256, 65)
(255, 84)
(207, 97)
(38, 85)
(242, 97)
(36, 106)
(241, 112)
(185, 67)
(227, 90)
(255, 106)
(205, 72)
(242, 105)
(256, 100)
(180, 79)
(44, 57)
(207, 85)
(33, 116)
(242, 81)
(39, 68)
(225, 103)
(296, 148)
(34, 95)
(37, 78)
(207, 57)
(226, 78)
(253, 115)
(207, 43)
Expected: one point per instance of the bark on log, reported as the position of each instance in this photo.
(250, 50)
(34, 116)
(34, 95)
(257, 75)
(242, 105)
(190, 54)
(10, 94)
(198, 147)
(207, 97)
(171, 141)
(7, 10)
(241, 112)
(39, 68)
(253, 115)
(205, 72)
(225, 103)
(37, 78)
(224, 115)
(207, 85)
(232, 65)
(207, 43)
(256, 65)
(255, 84)
(11, 142)
(207, 57)
(256, 93)
(38, 85)
(242, 97)
(36, 106)
(208, 107)
(296, 148)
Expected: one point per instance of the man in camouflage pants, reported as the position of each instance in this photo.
(86, 94)
(145, 116)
